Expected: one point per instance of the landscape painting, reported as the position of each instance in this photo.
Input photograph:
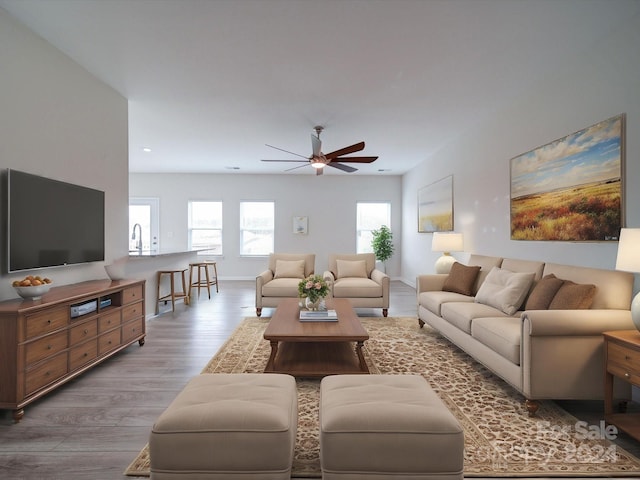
(435, 206)
(571, 189)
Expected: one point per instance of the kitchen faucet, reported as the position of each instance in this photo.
(133, 237)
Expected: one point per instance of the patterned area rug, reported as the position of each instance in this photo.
(501, 440)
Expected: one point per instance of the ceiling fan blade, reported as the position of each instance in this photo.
(295, 161)
(294, 168)
(355, 159)
(316, 144)
(286, 151)
(344, 168)
(345, 151)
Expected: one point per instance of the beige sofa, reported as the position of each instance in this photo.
(355, 277)
(280, 279)
(551, 346)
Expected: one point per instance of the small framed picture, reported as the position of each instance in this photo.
(300, 225)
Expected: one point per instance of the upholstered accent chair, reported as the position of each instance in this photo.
(281, 278)
(354, 276)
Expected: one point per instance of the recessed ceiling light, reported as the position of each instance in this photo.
(146, 149)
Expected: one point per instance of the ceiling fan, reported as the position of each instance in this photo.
(319, 160)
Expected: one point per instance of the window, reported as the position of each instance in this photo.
(370, 216)
(256, 228)
(143, 215)
(205, 227)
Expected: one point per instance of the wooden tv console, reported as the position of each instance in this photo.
(45, 343)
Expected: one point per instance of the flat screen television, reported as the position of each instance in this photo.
(51, 223)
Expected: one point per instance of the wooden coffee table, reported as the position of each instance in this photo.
(315, 349)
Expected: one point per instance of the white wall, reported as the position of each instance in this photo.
(58, 121)
(603, 82)
(329, 201)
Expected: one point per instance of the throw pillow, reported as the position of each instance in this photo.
(351, 268)
(543, 293)
(289, 269)
(461, 279)
(504, 290)
(573, 296)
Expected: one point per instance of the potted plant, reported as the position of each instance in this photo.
(382, 244)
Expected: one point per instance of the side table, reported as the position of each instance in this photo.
(622, 360)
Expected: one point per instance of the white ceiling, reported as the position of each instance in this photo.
(210, 82)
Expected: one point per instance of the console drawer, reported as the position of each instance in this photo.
(132, 311)
(82, 332)
(108, 341)
(109, 321)
(132, 294)
(44, 322)
(132, 330)
(82, 354)
(45, 347)
(45, 374)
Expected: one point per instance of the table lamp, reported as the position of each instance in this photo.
(446, 243)
(629, 260)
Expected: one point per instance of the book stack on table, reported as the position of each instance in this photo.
(318, 316)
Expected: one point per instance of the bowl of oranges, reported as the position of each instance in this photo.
(32, 286)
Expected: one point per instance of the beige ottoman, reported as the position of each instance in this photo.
(227, 426)
(387, 426)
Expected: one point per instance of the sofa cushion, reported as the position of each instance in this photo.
(461, 314)
(289, 269)
(486, 263)
(281, 287)
(543, 292)
(309, 261)
(356, 288)
(461, 279)
(433, 300)
(573, 296)
(504, 289)
(369, 259)
(502, 335)
(351, 268)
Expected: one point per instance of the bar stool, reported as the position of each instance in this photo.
(207, 281)
(173, 295)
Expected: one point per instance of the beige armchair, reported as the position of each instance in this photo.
(355, 277)
(281, 278)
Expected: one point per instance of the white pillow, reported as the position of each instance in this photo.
(351, 268)
(504, 290)
(289, 269)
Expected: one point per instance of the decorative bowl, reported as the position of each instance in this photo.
(116, 271)
(33, 291)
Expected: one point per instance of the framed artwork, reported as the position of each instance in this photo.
(300, 225)
(435, 206)
(571, 189)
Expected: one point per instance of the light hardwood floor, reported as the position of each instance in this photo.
(94, 426)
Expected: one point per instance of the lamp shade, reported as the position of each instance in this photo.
(628, 258)
(447, 242)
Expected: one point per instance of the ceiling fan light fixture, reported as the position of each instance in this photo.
(318, 161)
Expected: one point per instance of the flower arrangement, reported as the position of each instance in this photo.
(313, 287)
